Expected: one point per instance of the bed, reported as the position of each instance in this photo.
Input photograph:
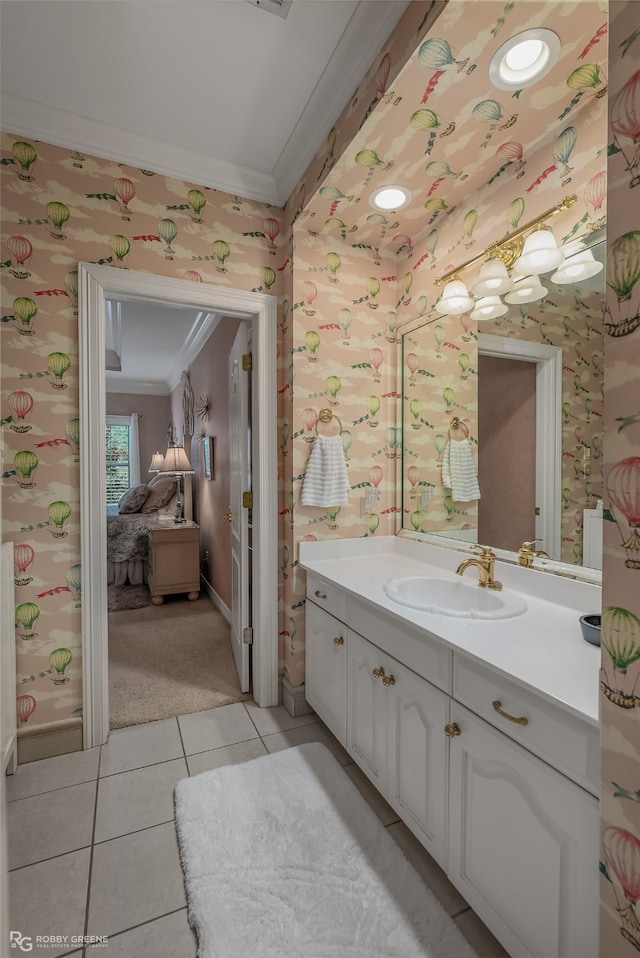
(128, 524)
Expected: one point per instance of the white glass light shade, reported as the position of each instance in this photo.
(492, 280)
(540, 254)
(176, 461)
(157, 462)
(489, 307)
(455, 299)
(576, 268)
(526, 290)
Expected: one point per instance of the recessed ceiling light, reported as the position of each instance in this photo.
(524, 59)
(390, 198)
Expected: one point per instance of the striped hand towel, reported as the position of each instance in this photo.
(458, 471)
(325, 482)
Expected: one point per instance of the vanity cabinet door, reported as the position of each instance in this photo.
(326, 669)
(366, 708)
(523, 844)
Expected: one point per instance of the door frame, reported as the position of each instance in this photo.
(96, 284)
(548, 360)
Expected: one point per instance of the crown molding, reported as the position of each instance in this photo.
(38, 121)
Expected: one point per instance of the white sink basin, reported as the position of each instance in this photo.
(461, 598)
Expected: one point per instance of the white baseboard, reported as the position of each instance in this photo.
(45, 741)
(292, 697)
(221, 606)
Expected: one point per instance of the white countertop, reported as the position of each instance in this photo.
(542, 649)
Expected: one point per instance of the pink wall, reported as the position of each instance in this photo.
(154, 412)
(209, 374)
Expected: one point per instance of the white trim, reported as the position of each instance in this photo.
(95, 285)
(548, 360)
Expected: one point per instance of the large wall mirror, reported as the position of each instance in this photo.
(519, 400)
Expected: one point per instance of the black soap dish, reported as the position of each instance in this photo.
(590, 625)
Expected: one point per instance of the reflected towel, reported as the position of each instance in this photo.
(325, 482)
(458, 471)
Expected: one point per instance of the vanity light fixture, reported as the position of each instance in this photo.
(580, 266)
(488, 307)
(524, 59)
(529, 250)
(390, 198)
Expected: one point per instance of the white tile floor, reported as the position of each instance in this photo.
(92, 840)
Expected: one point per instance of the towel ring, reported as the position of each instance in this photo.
(457, 424)
(326, 416)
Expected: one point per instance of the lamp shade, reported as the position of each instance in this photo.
(489, 307)
(540, 254)
(455, 299)
(493, 279)
(526, 290)
(157, 462)
(576, 268)
(176, 461)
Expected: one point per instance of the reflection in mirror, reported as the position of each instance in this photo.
(478, 398)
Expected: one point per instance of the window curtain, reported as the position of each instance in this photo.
(134, 449)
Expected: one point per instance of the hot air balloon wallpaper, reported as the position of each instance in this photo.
(72, 432)
(624, 118)
(20, 251)
(562, 150)
(71, 288)
(25, 311)
(621, 850)
(595, 194)
(120, 246)
(437, 54)
(623, 273)
(221, 251)
(60, 660)
(21, 406)
(493, 113)
(621, 639)
(511, 152)
(309, 293)
(623, 486)
(25, 156)
(429, 121)
(27, 615)
(57, 216)
(372, 162)
(125, 191)
(344, 322)
(26, 463)
(197, 202)
(312, 341)
(73, 579)
(167, 231)
(59, 513)
(23, 556)
(25, 707)
(57, 365)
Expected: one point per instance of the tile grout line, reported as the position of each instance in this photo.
(93, 836)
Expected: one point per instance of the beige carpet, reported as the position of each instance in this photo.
(169, 659)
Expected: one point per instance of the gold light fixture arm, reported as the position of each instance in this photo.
(508, 249)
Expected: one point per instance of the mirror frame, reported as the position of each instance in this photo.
(566, 569)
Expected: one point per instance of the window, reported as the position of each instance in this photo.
(122, 455)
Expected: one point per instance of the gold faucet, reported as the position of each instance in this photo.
(527, 553)
(484, 565)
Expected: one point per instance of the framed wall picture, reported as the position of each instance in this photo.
(207, 456)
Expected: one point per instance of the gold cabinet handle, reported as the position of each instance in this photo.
(338, 640)
(378, 673)
(318, 594)
(518, 719)
(452, 730)
(389, 680)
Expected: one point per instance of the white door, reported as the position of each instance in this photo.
(239, 482)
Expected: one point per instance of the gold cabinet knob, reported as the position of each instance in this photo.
(389, 680)
(452, 730)
(338, 640)
(378, 673)
(228, 516)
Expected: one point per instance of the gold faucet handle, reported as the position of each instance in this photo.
(529, 546)
(486, 552)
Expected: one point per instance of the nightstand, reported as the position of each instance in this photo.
(174, 560)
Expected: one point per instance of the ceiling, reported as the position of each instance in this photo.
(221, 93)
(480, 137)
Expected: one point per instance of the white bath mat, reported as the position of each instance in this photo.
(283, 857)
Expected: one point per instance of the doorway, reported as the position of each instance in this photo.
(545, 460)
(96, 285)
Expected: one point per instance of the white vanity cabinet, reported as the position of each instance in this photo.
(499, 783)
(395, 722)
(326, 669)
(523, 844)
